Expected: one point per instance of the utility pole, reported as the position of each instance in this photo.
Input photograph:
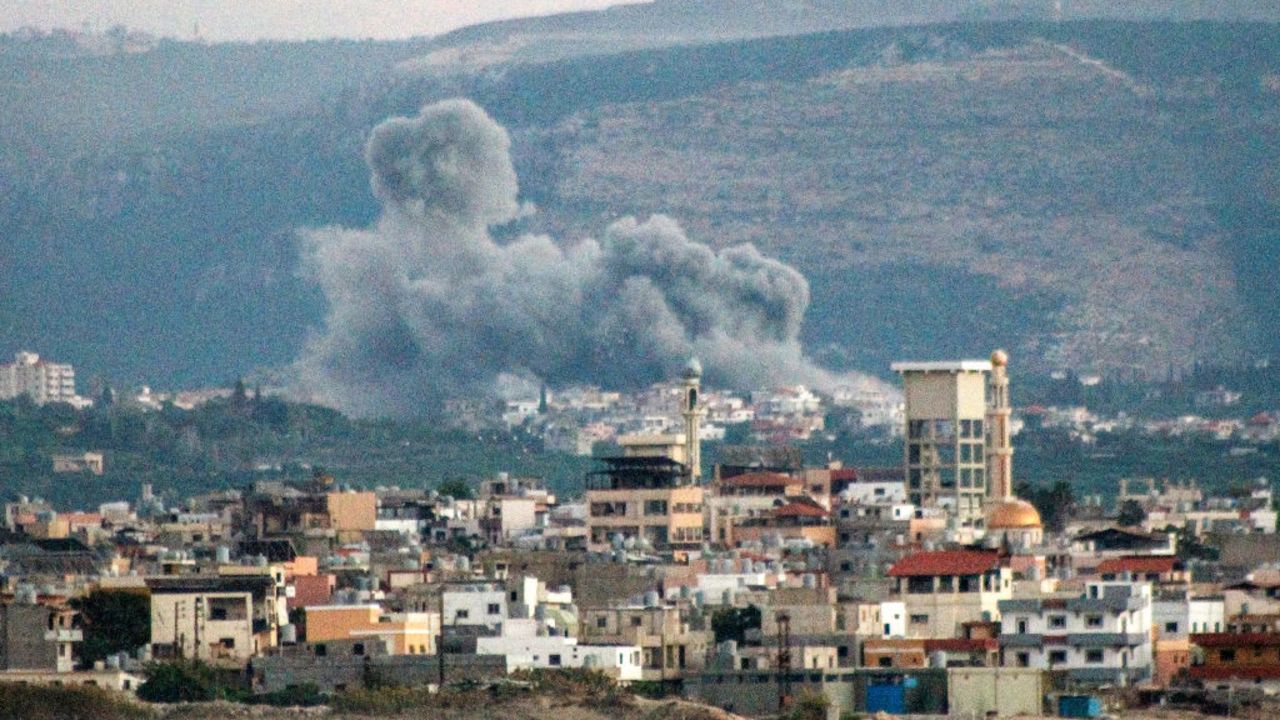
(784, 661)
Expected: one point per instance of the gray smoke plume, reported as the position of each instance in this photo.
(426, 305)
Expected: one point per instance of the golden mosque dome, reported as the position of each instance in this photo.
(1013, 514)
(1000, 358)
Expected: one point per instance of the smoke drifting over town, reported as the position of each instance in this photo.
(425, 304)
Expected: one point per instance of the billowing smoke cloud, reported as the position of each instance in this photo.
(426, 305)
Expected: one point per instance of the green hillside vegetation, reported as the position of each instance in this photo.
(926, 179)
(230, 444)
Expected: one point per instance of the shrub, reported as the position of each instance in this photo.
(809, 706)
(45, 702)
(306, 695)
(186, 681)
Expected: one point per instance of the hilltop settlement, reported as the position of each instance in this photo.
(751, 584)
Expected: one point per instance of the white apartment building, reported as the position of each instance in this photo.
(42, 381)
(1176, 616)
(526, 647)
(479, 604)
(1101, 637)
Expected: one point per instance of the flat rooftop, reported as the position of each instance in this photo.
(941, 366)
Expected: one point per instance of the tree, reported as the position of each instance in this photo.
(112, 621)
(180, 681)
(733, 623)
(457, 489)
(1131, 514)
(1055, 503)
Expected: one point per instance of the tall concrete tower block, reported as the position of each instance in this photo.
(999, 445)
(691, 410)
(945, 457)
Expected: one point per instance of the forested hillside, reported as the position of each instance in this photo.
(1094, 193)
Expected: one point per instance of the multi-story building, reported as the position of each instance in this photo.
(215, 618)
(669, 646)
(1102, 637)
(37, 637)
(475, 604)
(42, 381)
(945, 455)
(1238, 659)
(652, 494)
(1175, 614)
(942, 590)
(406, 633)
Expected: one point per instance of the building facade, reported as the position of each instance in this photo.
(945, 454)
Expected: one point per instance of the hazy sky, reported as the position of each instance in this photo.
(278, 19)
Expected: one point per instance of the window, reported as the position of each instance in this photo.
(1057, 621)
(919, 585)
(636, 621)
(357, 649)
(515, 596)
(462, 615)
(553, 660)
(915, 428)
(885, 662)
(655, 507)
(227, 643)
(1057, 657)
(1093, 656)
(1093, 621)
(1024, 659)
(1227, 655)
(919, 619)
(602, 622)
(946, 583)
(322, 650)
(913, 480)
(495, 609)
(966, 428)
(1171, 627)
(913, 454)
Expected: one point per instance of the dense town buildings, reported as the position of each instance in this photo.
(925, 587)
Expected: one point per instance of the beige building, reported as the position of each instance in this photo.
(669, 647)
(945, 455)
(942, 590)
(223, 620)
(352, 511)
(88, 462)
(652, 495)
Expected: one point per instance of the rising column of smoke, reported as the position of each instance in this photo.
(425, 305)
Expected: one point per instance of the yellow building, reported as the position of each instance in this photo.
(410, 633)
(352, 511)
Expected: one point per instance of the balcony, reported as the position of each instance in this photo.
(1021, 640)
(64, 635)
(1105, 639)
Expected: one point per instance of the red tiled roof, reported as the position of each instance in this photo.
(759, 479)
(799, 509)
(1141, 564)
(945, 562)
(844, 474)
